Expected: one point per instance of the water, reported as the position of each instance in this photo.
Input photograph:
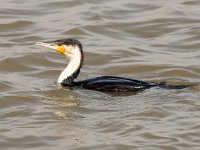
(149, 40)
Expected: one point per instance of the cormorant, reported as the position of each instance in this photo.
(73, 50)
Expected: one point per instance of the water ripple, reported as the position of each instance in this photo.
(148, 40)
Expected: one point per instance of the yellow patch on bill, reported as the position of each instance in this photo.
(61, 49)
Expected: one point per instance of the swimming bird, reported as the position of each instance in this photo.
(72, 49)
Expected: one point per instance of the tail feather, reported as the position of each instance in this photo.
(166, 86)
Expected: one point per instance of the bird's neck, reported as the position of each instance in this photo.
(73, 68)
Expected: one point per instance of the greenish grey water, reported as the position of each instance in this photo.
(148, 40)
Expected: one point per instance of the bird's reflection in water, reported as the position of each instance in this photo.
(62, 105)
(61, 101)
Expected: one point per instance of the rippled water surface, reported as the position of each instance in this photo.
(148, 40)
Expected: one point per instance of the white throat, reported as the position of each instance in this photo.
(74, 56)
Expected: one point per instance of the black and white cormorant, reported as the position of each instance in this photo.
(73, 50)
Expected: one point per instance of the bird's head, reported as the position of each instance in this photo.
(67, 47)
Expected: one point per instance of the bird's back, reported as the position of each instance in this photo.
(113, 84)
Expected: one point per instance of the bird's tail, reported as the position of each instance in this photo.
(167, 86)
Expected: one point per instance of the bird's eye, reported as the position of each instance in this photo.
(58, 43)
